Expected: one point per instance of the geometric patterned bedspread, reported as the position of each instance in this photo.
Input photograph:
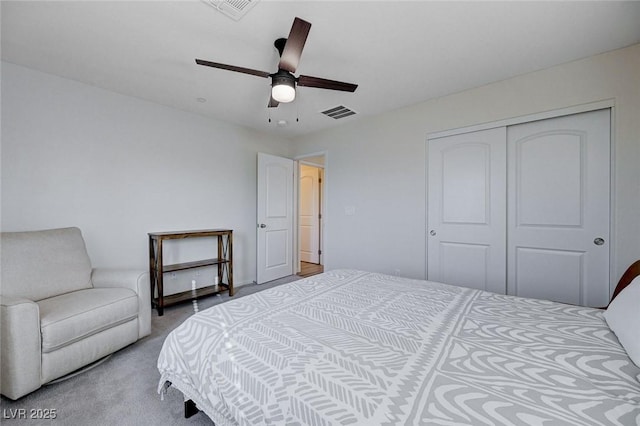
(356, 348)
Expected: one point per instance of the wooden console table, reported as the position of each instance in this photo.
(157, 268)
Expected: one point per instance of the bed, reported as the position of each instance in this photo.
(357, 348)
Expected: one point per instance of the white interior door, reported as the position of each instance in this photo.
(467, 210)
(275, 218)
(309, 214)
(558, 210)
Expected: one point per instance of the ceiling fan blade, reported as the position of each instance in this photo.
(232, 68)
(293, 47)
(273, 103)
(323, 83)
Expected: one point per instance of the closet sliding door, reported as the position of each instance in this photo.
(558, 208)
(523, 209)
(467, 210)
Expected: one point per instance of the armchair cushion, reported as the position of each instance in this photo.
(40, 264)
(137, 281)
(71, 317)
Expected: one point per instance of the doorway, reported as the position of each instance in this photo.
(310, 215)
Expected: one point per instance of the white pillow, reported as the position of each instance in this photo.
(623, 317)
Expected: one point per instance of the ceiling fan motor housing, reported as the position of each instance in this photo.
(283, 77)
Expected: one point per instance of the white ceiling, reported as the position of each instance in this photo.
(400, 53)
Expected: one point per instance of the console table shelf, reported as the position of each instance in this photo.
(157, 269)
(191, 265)
(194, 294)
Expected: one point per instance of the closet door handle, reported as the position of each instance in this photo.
(598, 241)
(432, 233)
(262, 225)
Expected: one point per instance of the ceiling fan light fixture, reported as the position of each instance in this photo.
(283, 87)
(283, 93)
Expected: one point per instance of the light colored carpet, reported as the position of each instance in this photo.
(123, 389)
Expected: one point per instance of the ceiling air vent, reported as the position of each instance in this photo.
(234, 9)
(338, 112)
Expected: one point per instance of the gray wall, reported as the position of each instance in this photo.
(377, 165)
(119, 167)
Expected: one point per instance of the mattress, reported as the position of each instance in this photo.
(357, 348)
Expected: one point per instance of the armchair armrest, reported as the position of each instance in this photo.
(136, 280)
(20, 346)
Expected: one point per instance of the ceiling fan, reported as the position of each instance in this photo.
(283, 82)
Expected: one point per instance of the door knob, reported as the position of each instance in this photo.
(432, 233)
(262, 225)
(598, 241)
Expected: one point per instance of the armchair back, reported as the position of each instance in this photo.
(40, 264)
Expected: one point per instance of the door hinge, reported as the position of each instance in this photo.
(320, 216)
(319, 252)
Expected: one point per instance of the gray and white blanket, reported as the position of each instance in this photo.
(356, 348)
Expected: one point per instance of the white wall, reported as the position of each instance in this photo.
(120, 167)
(377, 165)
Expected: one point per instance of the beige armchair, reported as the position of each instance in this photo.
(57, 313)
